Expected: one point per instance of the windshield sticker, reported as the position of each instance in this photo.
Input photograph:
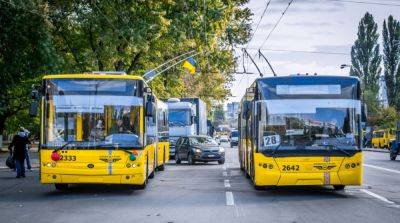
(272, 140)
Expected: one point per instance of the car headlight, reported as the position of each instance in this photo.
(221, 150)
(197, 150)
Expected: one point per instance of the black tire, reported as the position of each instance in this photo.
(231, 145)
(393, 156)
(220, 162)
(62, 187)
(177, 159)
(339, 187)
(247, 175)
(151, 176)
(161, 168)
(190, 159)
(259, 187)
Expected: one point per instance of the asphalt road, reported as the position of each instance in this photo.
(205, 193)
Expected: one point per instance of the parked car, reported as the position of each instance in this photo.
(198, 149)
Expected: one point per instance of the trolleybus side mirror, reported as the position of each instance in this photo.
(149, 108)
(33, 108)
(364, 114)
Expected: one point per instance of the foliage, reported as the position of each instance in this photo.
(391, 60)
(386, 118)
(26, 52)
(58, 36)
(365, 55)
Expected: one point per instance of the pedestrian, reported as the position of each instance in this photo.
(27, 158)
(18, 145)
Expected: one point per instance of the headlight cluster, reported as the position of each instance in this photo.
(49, 164)
(351, 165)
(131, 165)
(197, 151)
(221, 150)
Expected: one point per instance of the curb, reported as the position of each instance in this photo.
(377, 150)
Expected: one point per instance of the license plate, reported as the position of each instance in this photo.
(210, 155)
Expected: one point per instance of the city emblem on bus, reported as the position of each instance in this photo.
(323, 166)
(110, 159)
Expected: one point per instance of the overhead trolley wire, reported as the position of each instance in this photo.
(277, 23)
(258, 23)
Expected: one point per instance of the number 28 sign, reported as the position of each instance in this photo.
(272, 140)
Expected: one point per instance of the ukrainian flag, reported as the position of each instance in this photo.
(190, 65)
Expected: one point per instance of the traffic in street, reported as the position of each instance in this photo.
(206, 193)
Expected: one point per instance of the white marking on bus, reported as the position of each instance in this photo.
(381, 168)
(229, 199)
(227, 184)
(384, 199)
(225, 174)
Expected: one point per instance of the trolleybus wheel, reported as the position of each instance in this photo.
(259, 187)
(61, 186)
(338, 187)
(161, 168)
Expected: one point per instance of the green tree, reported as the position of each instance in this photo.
(391, 60)
(365, 55)
(135, 36)
(26, 52)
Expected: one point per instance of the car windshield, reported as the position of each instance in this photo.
(179, 117)
(378, 134)
(203, 141)
(97, 114)
(317, 126)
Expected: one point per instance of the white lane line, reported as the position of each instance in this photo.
(225, 174)
(384, 199)
(229, 199)
(227, 184)
(224, 167)
(381, 168)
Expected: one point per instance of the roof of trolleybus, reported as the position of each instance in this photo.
(313, 115)
(304, 86)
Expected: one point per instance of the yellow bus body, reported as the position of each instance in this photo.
(382, 138)
(102, 166)
(162, 153)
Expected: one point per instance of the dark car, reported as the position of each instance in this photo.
(198, 149)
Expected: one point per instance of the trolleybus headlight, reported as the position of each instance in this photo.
(55, 156)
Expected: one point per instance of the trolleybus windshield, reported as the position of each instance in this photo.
(93, 113)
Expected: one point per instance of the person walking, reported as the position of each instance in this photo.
(18, 145)
(27, 158)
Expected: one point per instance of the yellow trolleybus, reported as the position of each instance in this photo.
(302, 130)
(96, 128)
(163, 136)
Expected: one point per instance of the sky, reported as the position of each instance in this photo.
(327, 26)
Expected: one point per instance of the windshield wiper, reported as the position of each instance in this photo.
(65, 145)
(337, 148)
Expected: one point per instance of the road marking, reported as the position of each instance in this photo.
(381, 168)
(229, 199)
(225, 174)
(384, 199)
(224, 167)
(227, 184)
